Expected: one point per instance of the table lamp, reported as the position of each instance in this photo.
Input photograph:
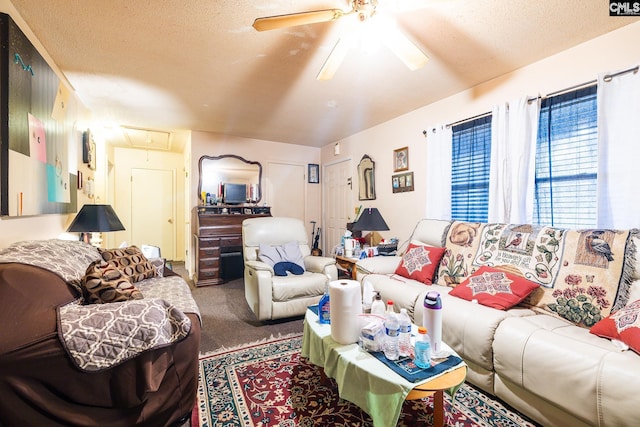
(370, 220)
(95, 218)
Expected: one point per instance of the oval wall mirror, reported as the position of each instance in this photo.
(229, 169)
(366, 179)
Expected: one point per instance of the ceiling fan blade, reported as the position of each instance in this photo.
(334, 60)
(404, 48)
(295, 19)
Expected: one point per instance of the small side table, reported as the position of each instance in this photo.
(348, 264)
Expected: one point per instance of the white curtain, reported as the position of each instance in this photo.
(619, 150)
(514, 128)
(438, 174)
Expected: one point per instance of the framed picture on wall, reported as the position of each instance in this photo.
(401, 183)
(401, 159)
(313, 174)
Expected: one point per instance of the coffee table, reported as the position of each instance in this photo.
(367, 382)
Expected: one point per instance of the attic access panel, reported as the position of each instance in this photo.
(147, 138)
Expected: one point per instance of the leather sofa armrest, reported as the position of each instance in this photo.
(379, 264)
(259, 266)
(317, 264)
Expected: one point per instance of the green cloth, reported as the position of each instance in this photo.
(361, 378)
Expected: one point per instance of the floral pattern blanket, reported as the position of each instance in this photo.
(583, 275)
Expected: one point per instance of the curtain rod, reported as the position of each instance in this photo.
(606, 78)
(459, 122)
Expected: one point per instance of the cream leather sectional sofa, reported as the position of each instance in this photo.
(548, 368)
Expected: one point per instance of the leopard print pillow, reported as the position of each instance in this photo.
(131, 262)
(104, 283)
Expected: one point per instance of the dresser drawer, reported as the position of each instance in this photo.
(208, 242)
(231, 241)
(208, 252)
(208, 273)
(208, 263)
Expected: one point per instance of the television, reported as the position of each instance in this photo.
(235, 194)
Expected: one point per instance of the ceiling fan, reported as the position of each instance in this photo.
(392, 36)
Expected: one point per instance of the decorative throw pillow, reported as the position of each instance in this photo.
(494, 288)
(131, 262)
(104, 283)
(281, 268)
(289, 252)
(623, 325)
(419, 262)
(158, 264)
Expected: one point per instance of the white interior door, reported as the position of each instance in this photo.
(286, 190)
(153, 210)
(338, 208)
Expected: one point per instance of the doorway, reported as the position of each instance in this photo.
(337, 200)
(153, 210)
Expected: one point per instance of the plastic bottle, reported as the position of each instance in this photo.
(324, 307)
(377, 306)
(432, 320)
(404, 339)
(390, 307)
(422, 357)
(392, 329)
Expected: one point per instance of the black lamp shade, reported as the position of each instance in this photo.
(370, 220)
(95, 218)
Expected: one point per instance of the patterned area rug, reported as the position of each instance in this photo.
(269, 384)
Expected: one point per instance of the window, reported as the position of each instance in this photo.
(471, 146)
(567, 160)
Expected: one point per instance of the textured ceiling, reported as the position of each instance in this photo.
(198, 64)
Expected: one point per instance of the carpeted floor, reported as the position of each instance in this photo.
(227, 320)
(269, 384)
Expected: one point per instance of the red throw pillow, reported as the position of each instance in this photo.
(623, 325)
(419, 262)
(494, 288)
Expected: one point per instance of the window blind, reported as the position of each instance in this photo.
(471, 145)
(567, 160)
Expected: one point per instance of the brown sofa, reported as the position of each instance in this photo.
(42, 384)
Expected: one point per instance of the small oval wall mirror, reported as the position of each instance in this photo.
(366, 179)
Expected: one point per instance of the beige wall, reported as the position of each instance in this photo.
(613, 51)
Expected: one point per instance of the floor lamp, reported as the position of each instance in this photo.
(370, 220)
(95, 218)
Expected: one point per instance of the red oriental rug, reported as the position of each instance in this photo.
(269, 384)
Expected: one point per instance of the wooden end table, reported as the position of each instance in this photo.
(349, 264)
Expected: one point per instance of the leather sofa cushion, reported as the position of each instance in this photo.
(307, 284)
(535, 353)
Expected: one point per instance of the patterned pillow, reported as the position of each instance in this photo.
(623, 325)
(104, 283)
(289, 252)
(419, 262)
(494, 288)
(131, 262)
(158, 264)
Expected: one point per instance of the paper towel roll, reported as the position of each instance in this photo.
(346, 306)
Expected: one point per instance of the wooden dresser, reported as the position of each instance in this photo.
(218, 241)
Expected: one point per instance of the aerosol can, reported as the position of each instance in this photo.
(432, 320)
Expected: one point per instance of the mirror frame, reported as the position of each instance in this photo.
(233, 156)
(363, 194)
